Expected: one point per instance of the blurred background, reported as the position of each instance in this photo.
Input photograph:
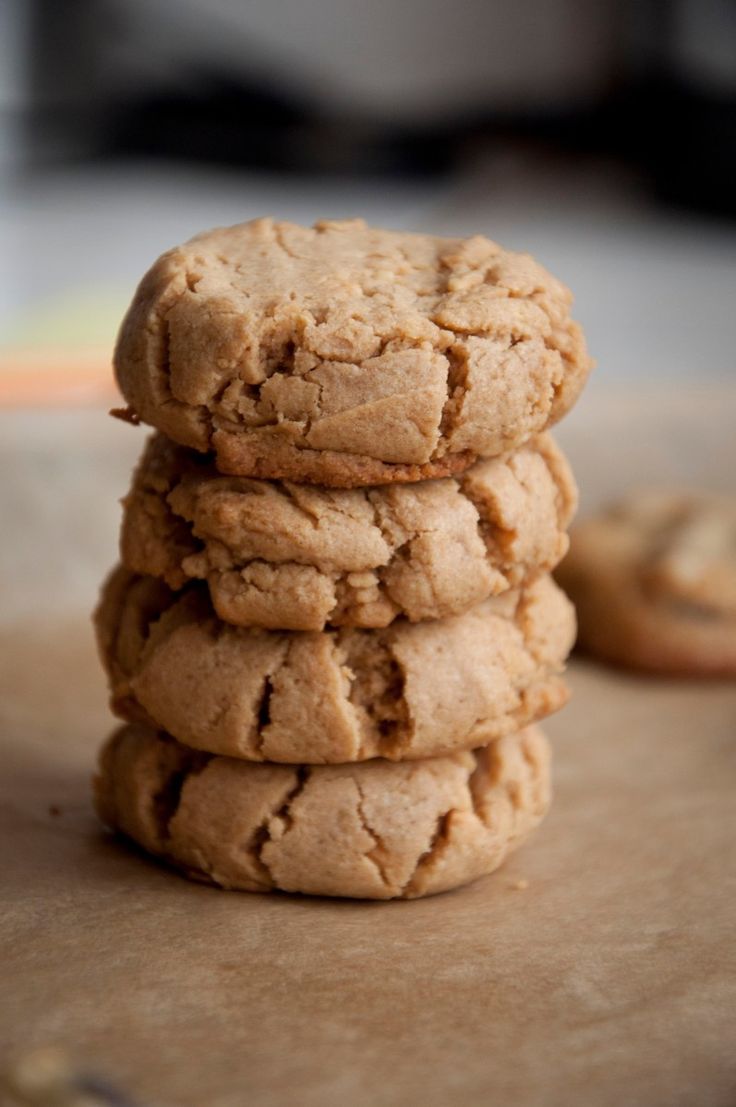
(598, 134)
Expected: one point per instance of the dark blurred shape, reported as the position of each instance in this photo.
(675, 112)
(239, 124)
(208, 81)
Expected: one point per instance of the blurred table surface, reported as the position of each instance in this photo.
(597, 967)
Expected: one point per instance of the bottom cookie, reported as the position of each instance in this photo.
(373, 830)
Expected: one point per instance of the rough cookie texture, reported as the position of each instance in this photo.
(290, 556)
(344, 355)
(376, 831)
(654, 582)
(409, 691)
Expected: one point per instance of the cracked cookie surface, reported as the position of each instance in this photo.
(654, 582)
(406, 692)
(378, 830)
(344, 355)
(288, 556)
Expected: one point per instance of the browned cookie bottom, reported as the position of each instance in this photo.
(239, 455)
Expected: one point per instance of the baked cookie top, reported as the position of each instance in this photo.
(345, 355)
(406, 692)
(654, 581)
(290, 556)
(377, 830)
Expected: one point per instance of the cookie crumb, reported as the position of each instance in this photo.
(126, 415)
(47, 1077)
(519, 885)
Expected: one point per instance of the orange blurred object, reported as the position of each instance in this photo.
(56, 378)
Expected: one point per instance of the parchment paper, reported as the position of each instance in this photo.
(598, 967)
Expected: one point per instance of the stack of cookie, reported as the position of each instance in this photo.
(334, 625)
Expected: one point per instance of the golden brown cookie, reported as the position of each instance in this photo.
(344, 355)
(379, 830)
(290, 556)
(654, 582)
(409, 691)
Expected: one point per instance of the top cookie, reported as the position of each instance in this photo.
(345, 355)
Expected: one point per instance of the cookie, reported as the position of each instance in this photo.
(654, 582)
(290, 556)
(409, 691)
(375, 831)
(343, 355)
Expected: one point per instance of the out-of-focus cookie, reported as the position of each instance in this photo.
(409, 691)
(344, 355)
(654, 582)
(289, 556)
(379, 830)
